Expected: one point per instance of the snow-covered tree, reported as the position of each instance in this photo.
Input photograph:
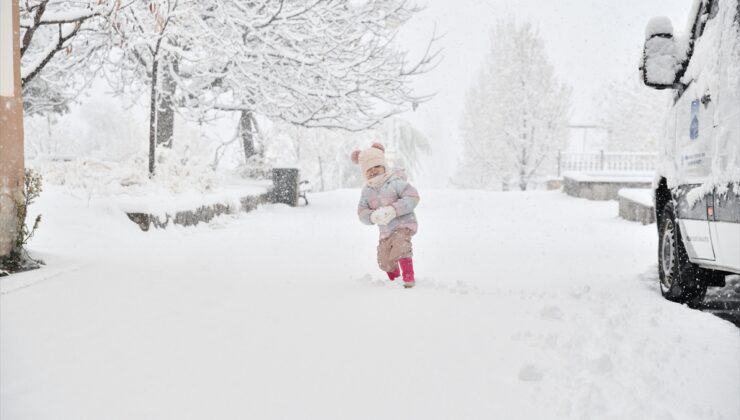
(516, 113)
(63, 44)
(486, 164)
(629, 110)
(164, 49)
(327, 64)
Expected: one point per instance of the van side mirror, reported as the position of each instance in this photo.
(660, 62)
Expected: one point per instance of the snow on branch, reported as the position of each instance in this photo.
(326, 64)
(63, 43)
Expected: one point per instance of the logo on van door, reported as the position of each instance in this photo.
(694, 129)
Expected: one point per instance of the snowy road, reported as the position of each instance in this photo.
(528, 306)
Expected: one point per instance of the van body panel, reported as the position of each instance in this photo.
(697, 238)
(727, 238)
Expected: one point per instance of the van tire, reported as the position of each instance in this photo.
(680, 280)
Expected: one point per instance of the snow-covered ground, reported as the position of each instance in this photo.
(528, 306)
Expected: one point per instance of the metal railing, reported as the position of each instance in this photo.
(606, 162)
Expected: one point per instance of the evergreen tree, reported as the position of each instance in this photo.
(516, 113)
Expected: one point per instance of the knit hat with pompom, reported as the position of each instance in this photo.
(369, 158)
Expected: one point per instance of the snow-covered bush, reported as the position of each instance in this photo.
(100, 147)
(18, 259)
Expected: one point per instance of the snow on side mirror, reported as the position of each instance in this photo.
(660, 63)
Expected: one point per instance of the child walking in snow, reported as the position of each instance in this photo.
(388, 200)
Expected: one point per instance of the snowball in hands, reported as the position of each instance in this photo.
(383, 215)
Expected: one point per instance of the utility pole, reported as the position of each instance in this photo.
(11, 125)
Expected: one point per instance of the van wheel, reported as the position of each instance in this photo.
(680, 280)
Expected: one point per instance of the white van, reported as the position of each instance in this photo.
(697, 186)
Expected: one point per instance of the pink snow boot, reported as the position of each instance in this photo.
(392, 275)
(407, 265)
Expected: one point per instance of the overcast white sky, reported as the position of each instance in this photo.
(590, 43)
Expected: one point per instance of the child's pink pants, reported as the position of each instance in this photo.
(393, 248)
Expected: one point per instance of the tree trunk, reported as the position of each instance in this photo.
(246, 132)
(522, 171)
(166, 106)
(153, 118)
(321, 173)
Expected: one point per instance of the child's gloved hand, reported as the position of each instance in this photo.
(383, 215)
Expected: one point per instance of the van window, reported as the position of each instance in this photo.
(698, 24)
(707, 11)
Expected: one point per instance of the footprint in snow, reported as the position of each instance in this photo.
(455, 287)
(374, 281)
(458, 287)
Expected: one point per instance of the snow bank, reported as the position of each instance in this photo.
(642, 196)
(179, 184)
(165, 203)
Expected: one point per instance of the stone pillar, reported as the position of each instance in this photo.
(285, 186)
(11, 125)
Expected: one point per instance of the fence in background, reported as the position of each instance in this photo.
(606, 162)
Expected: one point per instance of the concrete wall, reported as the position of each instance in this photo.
(598, 190)
(636, 212)
(284, 190)
(203, 214)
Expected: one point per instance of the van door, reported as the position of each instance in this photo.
(695, 115)
(725, 226)
(693, 220)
